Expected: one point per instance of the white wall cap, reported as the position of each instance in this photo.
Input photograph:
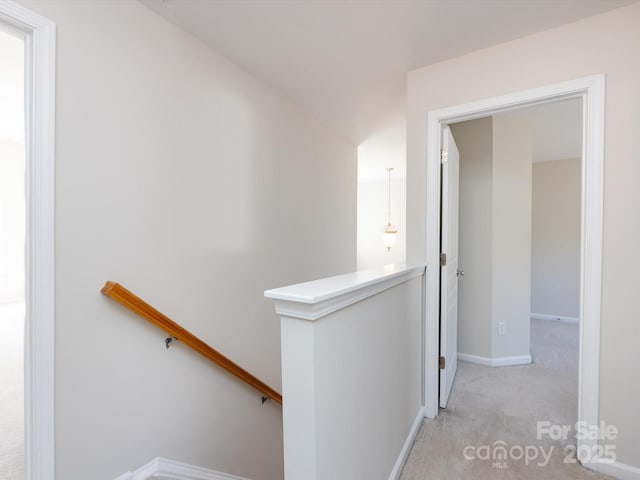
(318, 298)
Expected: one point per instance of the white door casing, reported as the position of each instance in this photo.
(449, 271)
(40, 48)
(592, 92)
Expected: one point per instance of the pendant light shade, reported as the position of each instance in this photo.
(390, 231)
(390, 237)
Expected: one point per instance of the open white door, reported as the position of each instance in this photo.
(449, 266)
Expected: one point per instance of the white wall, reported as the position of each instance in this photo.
(372, 220)
(384, 147)
(12, 221)
(352, 376)
(12, 260)
(12, 213)
(368, 367)
(197, 187)
(495, 236)
(511, 280)
(555, 253)
(604, 43)
(474, 140)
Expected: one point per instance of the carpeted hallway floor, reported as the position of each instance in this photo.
(12, 392)
(504, 404)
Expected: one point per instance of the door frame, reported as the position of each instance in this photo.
(592, 92)
(40, 47)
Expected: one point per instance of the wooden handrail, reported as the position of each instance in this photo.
(142, 308)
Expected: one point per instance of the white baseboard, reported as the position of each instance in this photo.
(557, 318)
(406, 448)
(170, 469)
(495, 361)
(615, 469)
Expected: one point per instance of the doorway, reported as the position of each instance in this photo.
(37, 35)
(519, 247)
(519, 235)
(12, 258)
(591, 92)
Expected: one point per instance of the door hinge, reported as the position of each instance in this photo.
(441, 363)
(443, 259)
(444, 156)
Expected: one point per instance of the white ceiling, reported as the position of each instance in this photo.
(557, 129)
(346, 61)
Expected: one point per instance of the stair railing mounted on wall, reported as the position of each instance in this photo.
(136, 304)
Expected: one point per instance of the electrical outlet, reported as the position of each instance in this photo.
(502, 330)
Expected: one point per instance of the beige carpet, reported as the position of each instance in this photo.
(504, 404)
(12, 392)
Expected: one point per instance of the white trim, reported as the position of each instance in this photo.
(496, 361)
(406, 448)
(615, 469)
(170, 469)
(317, 299)
(555, 318)
(593, 141)
(40, 47)
(592, 91)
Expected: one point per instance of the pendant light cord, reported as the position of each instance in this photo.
(389, 203)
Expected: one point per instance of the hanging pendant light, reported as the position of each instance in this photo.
(390, 231)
